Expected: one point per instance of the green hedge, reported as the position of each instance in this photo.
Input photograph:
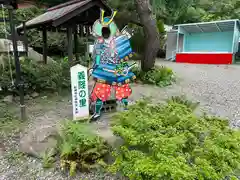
(161, 76)
(37, 77)
(169, 142)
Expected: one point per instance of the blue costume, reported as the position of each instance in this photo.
(111, 51)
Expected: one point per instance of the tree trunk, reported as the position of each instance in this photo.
(152, 43)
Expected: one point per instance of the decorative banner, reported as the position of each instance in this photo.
(80, 97)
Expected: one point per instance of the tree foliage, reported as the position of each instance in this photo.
(183, 11)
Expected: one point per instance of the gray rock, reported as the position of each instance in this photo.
(8, 99)
(38, 57)
(44, 97)
(27, 97)
(2, 60)
(110, 138)
(34, 95)
(16, 98)
(38, 141)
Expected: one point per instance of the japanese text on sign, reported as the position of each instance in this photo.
(75, 100)
(81, 87)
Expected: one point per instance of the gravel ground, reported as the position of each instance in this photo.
(217, 88)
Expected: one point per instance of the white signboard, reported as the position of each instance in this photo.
(80, 97)
(91, 48)
(126, 32)
(6, 46)
(19, 48)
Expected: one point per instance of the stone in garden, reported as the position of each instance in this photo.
(109, 137)
(17, 98)
(38, 141)
(44, 97)
(8, 99)
(34, 95)
(37, 56)
(112, 140)
(27, 97)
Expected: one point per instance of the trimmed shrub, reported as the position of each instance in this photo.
(160, 76)
(183, 100)
(170, 142)
(36, 76)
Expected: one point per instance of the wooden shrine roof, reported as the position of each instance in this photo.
(12, 3)
(72, 12)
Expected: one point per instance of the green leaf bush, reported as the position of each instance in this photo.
(80, 148)
(183, 100)
(169, 142)
(161, 76)
(37, 77)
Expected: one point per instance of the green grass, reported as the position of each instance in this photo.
(9, 127)
(9, 123)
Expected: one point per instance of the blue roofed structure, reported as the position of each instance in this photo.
(215, 42)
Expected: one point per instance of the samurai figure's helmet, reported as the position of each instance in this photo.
(105, 26)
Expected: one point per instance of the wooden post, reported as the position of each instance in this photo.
(44, 38)
(87, 45)
(19, 83)
(76, 44)
(70, 43)
(81, 30)
(25, 38)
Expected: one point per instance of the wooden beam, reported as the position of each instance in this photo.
(12, 3)
(81, 31)
(53, 29)
(25, 38)
(2, 19)
(70, 43)
(103, 5)
(19, 83)
(44, 38)
(18, 37)
(76, 44)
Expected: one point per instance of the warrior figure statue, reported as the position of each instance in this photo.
(111, 52)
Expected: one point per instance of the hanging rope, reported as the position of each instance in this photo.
(8, 47)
